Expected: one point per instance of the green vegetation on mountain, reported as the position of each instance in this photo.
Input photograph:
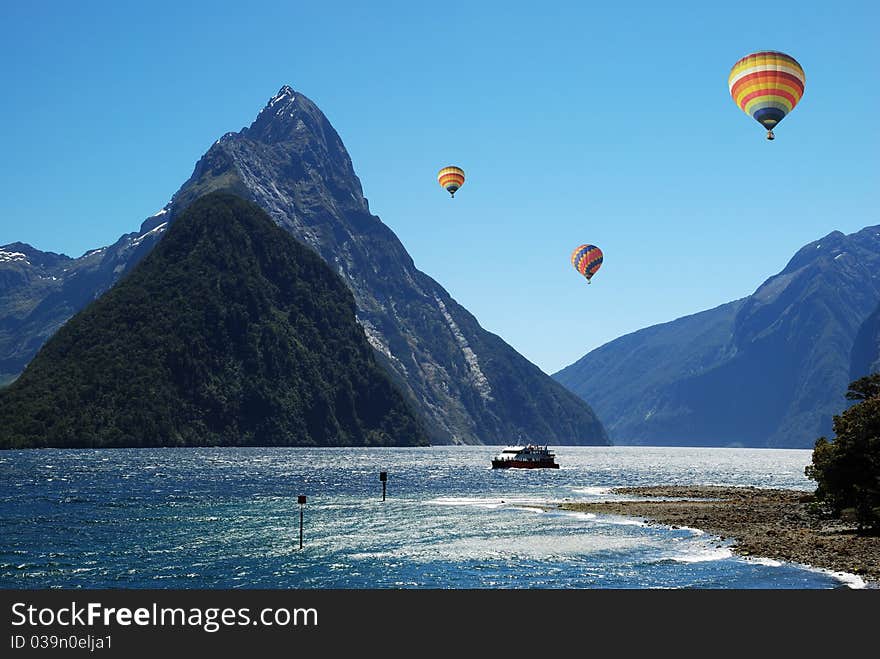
(466, 384)
(230, 332)
(847, 470)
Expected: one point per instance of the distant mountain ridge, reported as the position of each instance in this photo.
(468, 384)
(39, 290)
(768, 370)
(229, 333)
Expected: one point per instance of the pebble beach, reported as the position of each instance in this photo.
(770, 523)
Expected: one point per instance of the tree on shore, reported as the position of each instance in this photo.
(847, 470)
(864, 388)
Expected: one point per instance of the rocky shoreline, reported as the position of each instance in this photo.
(776, 524)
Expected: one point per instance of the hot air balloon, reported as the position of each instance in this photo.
(767, 85)
(587, 259)
(451, 178)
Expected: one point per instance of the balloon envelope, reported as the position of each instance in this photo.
(451, 178)
(766, 85)
(587, 259)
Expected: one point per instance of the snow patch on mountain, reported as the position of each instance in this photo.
(284, 93)
(159, 229)
(6, 257)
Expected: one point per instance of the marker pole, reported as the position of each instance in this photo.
(301, 499)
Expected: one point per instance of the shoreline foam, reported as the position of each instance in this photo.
(761, 523)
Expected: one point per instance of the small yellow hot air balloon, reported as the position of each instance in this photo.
(451, 178)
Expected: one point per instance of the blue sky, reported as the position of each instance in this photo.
(603, 123)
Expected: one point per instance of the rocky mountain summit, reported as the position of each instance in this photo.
(467, 383)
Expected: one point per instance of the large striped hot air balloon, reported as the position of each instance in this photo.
(451, 178)
(586, 259)
(767, 85)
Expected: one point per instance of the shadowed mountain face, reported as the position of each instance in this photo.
(230, 332)
(39, 291)
(768, 370)
(468, 384)
(866, 351)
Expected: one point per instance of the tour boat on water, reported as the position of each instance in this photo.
(529, 456)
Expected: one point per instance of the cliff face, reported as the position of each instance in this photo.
(230, 332)
(768, 370)
(866, 349)
(468, 384)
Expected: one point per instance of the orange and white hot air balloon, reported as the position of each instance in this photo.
(766, 85)
(451, 178)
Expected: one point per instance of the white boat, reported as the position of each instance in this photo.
(530, 456)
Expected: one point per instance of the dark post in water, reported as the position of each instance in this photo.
(383, 476)
(301, 499)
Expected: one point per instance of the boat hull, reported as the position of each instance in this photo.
(523, 464)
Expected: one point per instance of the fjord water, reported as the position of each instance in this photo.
(228, 518)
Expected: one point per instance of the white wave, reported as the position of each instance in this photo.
(853, 581)
(489, 502)
(620, 520)
(695, 532)
(468, 501)
(368, 555)
(760, 560)
(535, 547)
(594, 491)
(529, 509)
(850, 580)
(578, 515)
(702, 555)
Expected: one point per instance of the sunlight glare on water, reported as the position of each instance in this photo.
(228, 518)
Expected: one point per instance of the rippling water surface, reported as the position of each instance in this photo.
(228, 518)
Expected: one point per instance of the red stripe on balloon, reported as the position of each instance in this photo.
(766, 76)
